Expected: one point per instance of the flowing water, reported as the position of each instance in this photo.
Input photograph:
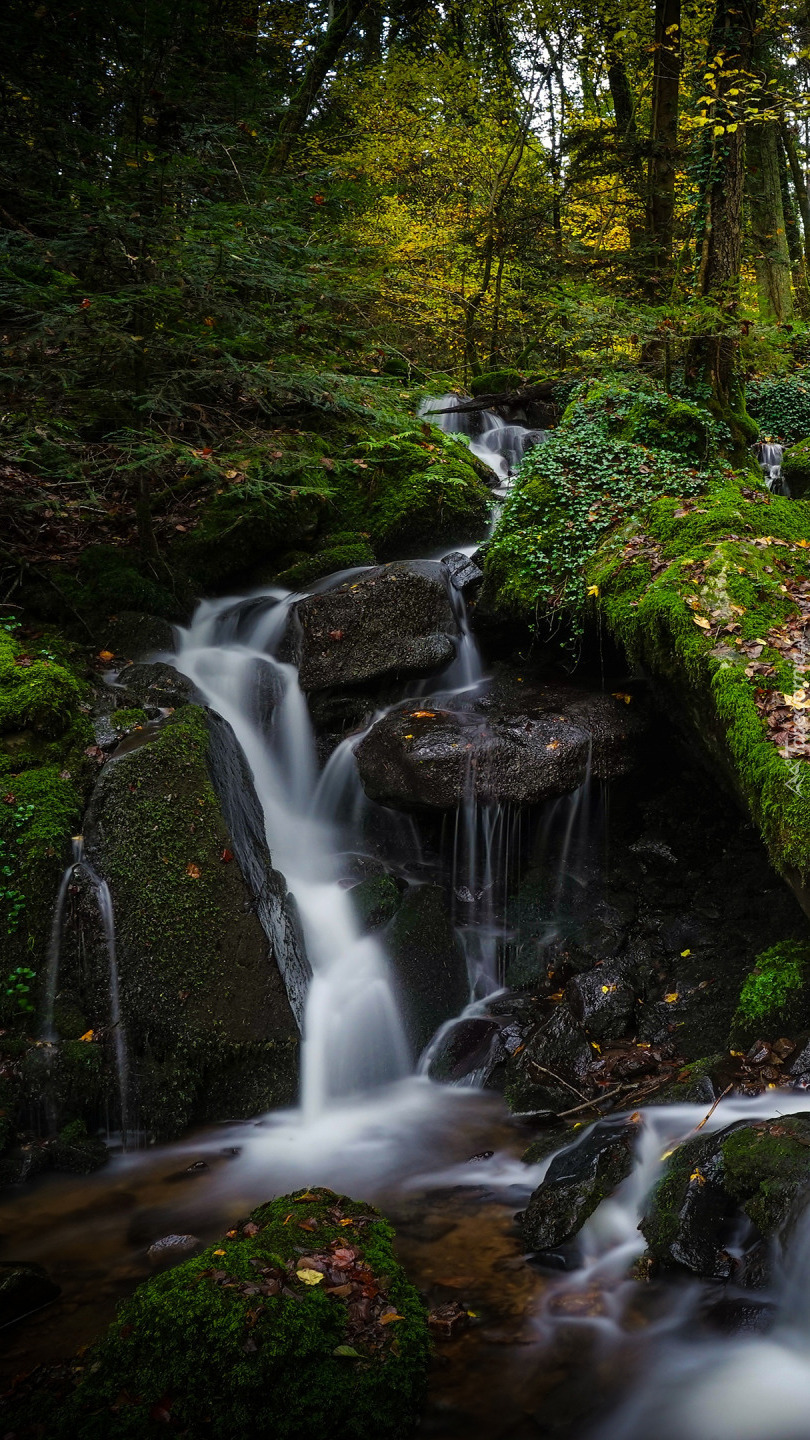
(581, 1355)
(770, 463)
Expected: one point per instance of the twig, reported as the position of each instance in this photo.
(591, 1104)
(709, 1113)
(558, 1078)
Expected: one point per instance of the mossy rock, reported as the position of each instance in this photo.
(696, 573)
(36, 693)
(111, 579)
(239, 1341)
(796, 469)
(495, 382)
(662, 423)
(206, 1015)
(775, 998)
(375, 901)
(244, 527)
(347, 553)
(760, 1170)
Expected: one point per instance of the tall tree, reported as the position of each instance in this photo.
(663, 137)
(768, 229)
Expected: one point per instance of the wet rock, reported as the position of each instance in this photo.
(132, 635)
(171, 1249)
(23, 1288)
(76, 1152)
(23, 1163)
(464, 573)
(576, 1182)
(725, 1196)
(547, 1071)
(156, 686)
(424, 756)
(207, 1021)
(395, 620)
(602, 1001)
(464, 1048)
(428, 963)
(376, 901)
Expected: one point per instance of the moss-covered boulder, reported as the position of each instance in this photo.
(759, 1172)
(375, 901)
(775, 998)
(702, 576)
(299, 1324)
(206, 1015)
(796, 469)
(495, 382)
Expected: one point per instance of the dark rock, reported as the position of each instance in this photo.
(76, 1152)
(156, 686)
(731, 1191)
(738, 1314)
(464, 573)
(576, 1182)
(375, 901)
(23, 1288)
(171, 1249)
(602, 1001)
(23, 1163)
(395, 620)
(546, 1073)
(510, 746)
(428, 963)
(464, 1048)
(131, 635)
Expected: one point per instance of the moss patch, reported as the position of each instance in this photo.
(235, 1342)
(775, 998)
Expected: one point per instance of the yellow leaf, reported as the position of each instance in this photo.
(702, 622)
(697, 1177)
(423, 714)
(219, 1252)
(88, 1035)
(347, 1222)
(593, 589)
(389, 1319)
(105, 655)
(620, 695)
(310, 1277)
(684, 954)
(670, 999)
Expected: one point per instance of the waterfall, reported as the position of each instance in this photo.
(80, 865)
(353, 1034)
(499, 444)
(770, 463)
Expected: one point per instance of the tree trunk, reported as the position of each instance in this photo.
(771, 255)
(714, 354)
(297, 113)
(799, 186)
(627, 132)
(801, 293)
(664, 137)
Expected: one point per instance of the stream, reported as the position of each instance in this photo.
(579, 1354)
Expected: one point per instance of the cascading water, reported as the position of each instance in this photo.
(354, 1040)
(770, 463)
(80, 866)
(499, 444)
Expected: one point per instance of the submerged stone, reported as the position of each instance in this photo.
(24, 1287)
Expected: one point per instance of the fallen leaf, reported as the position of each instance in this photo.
(226, 856)
(553, 745)
(309, 1277)
(423, 714)
(702, 622)
(348, 1351)
(219, 1252)
(193, 870)
(670, 999)
(106, 655)
(389, 1319)
(88, 1035)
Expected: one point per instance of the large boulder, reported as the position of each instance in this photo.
(577, 1181)
(393, 620)
(205, 1013)
(299, 1324)
(519, 748)
(732, 1191)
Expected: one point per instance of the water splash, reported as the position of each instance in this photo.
(499, 444)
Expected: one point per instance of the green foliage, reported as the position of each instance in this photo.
(578, 486)
(781, 406)
(226, 1359)
(776, 995)
(19, 987)
(35, 693)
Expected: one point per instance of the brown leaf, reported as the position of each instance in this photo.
(193, 870)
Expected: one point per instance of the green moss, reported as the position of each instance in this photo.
(111, 578)
(128, 719)
(35, 693)
(775, 998)
(764, 1170)
(202, 999)
(203, 1343)
(347, 555)
(495, 382)
(781, 406)
(796, 469)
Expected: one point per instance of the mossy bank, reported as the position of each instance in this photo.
(300, 1324)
